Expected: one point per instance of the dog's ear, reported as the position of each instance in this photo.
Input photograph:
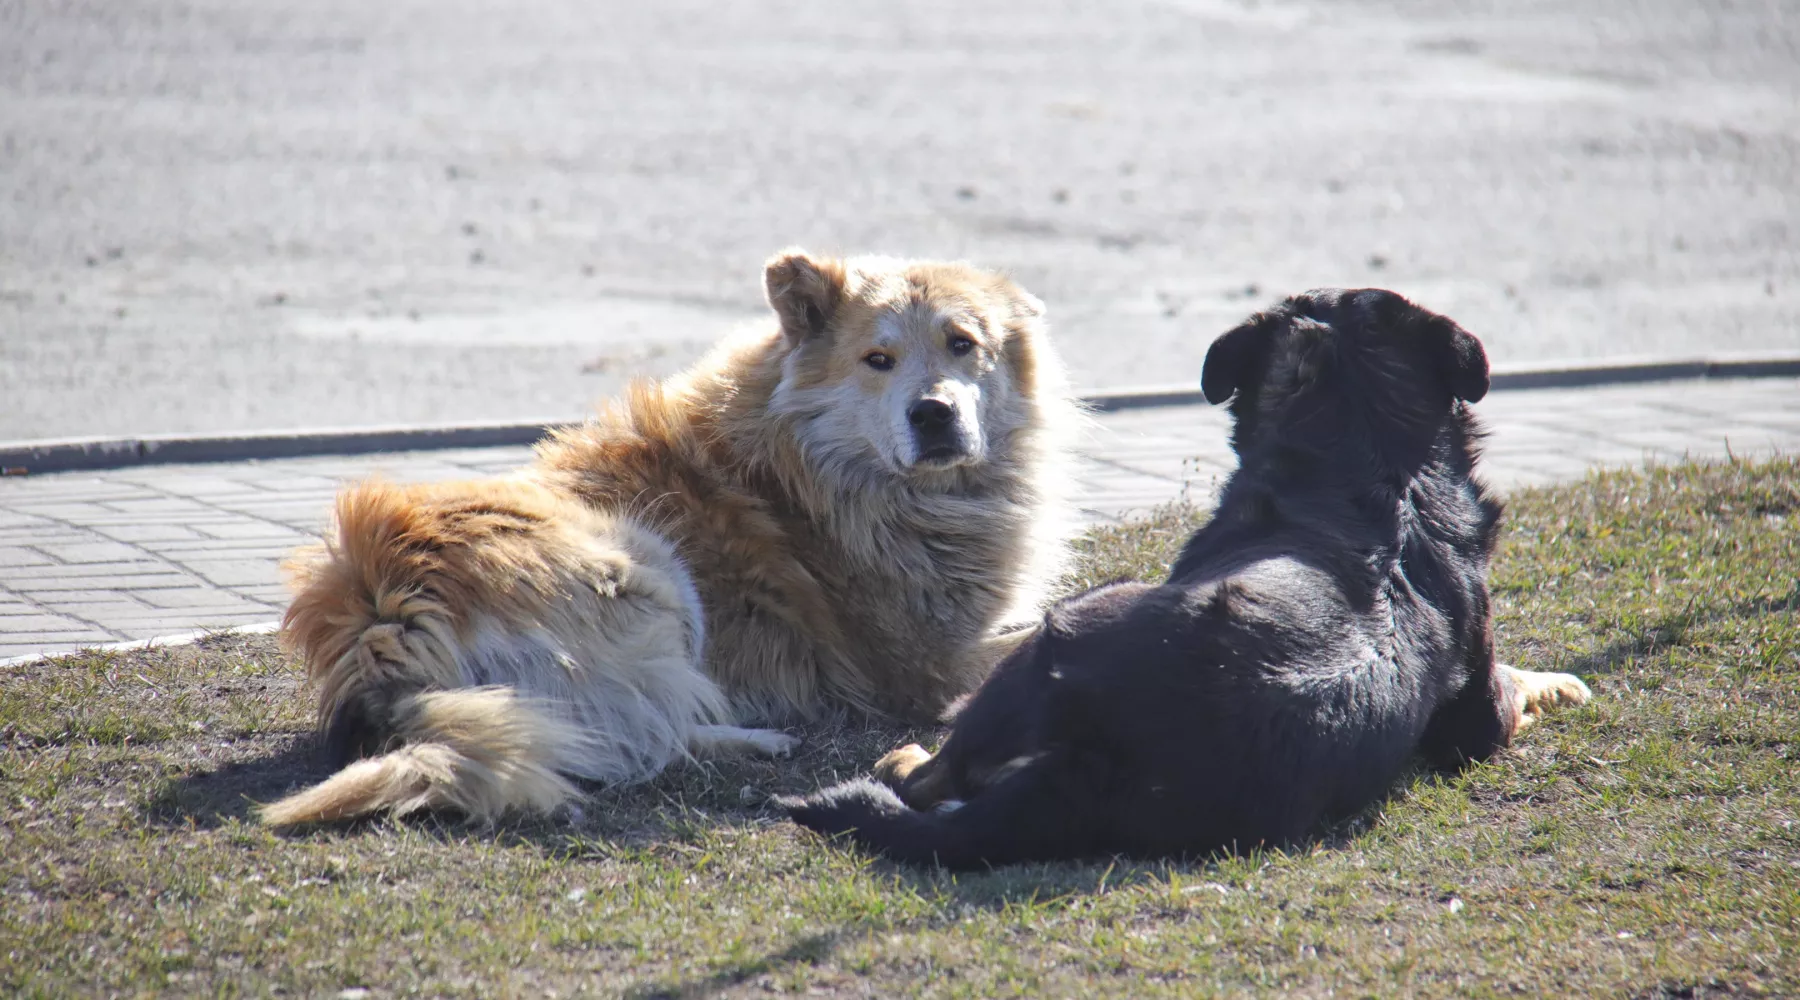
(1026, 305)
(1460, 358)
(1454, 352)
(1235, 360)
(804, 291)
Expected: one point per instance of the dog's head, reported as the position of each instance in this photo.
(1333, 361)
(922, 367)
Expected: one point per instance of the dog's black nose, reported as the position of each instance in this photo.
(930, 414)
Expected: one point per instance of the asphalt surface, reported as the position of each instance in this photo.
(259, 214)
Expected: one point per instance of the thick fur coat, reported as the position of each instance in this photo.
(1330, 622)
(837, 513)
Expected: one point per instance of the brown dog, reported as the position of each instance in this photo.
(836, 512)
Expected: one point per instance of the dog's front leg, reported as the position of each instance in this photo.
(1535, 692)
(735, 741)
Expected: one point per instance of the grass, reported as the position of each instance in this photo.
(1645, 846)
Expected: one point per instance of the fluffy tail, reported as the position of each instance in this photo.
(373, 615)
(1043, 811)
(479, 751)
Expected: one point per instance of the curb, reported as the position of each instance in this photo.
(1503, 378)
(178, 639)
(89, 454)
(33, 457)
(1625, 371)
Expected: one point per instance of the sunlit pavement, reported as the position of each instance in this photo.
(88, 558)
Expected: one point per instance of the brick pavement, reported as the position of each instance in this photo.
(89, 558)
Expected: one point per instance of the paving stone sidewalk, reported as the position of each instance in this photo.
(90, 558)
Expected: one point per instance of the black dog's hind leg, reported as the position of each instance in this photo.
(1494, 705)
(1045, 810)
(1473, 725)
(1481, 718)
(920, 779)
(996, 726)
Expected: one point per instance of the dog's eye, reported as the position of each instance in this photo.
(961, 345)
(878, 361)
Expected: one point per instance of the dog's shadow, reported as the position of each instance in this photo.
(683, 801)
(210, 799)
(998, 889)
(809, 950)
(663, 807)
(1674, 629)
(988, 890)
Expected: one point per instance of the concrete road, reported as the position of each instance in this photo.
(236, 214)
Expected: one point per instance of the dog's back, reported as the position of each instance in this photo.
(481, 643)
(1328, 623)
(1170, 719)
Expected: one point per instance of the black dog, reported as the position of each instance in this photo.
(1328, 623)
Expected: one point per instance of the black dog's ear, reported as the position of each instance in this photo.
(1454, 352)
(1460, 358)
(1235, 360)
(804, 291)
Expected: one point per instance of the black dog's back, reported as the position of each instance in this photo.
(1151, 745)
(1330, 621)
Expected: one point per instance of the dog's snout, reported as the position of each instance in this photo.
(942, 433)
(930, 414)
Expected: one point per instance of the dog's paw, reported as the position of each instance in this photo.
(732, 741)
(1537, 692)
(894, 768)
(771, 743)
(1547, 691)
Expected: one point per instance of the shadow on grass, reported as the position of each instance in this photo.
(809, 950)
(689, 803)
(1028, 884)
(1037, 883)
(1787, 603)
(230, 793)
(1031, 884)
(1672, 630)
(678, 805)
(1675, 629)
